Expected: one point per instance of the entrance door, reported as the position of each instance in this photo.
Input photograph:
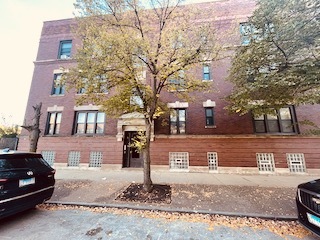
(131, 157)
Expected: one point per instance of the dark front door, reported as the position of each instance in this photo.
(131, 157)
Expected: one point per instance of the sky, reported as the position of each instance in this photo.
(20, 24)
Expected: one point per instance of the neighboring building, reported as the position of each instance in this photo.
(199, 136)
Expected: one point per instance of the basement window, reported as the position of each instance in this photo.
(179, 161)
(265, 162)
(296, 162)
(49, 157)
(212, 161)
(74, 159)
(95, 159)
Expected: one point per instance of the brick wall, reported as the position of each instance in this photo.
(237, 151)
(233, 151)
(231, 137)
(110, 148)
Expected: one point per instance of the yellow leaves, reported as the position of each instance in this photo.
(281, 228)
(129, 46)
(139, 141)
(159, 111)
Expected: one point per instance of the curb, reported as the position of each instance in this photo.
(200, 211)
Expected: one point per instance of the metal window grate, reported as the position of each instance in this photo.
(95, 159)
(212, 161)
(179, 160)
(49, 157)
(296, 162)
(74, 159)
(265, 162)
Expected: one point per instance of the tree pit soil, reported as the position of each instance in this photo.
(136, 193)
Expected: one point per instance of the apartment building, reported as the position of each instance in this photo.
(199, 136)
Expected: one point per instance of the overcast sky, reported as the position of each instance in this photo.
(20, 24)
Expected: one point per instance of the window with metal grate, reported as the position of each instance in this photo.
(296, 162)
(265, 162)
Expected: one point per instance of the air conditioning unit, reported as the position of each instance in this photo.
(64, 57)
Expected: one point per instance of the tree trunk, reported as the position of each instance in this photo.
(34, 130)
(147, 182)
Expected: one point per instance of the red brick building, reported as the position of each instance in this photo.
(202, 136)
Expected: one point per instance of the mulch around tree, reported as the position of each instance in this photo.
(136, 193)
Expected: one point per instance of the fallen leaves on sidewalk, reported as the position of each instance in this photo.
(75, 184)
(282, 228)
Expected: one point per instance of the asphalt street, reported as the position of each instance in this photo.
(84, 225)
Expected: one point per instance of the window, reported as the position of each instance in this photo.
(282, 121)
(65, 49)
(212, 161)
(135, 99)
(81, 90)
(49, 157)
(265, 162)
(53, 123)
(178, 121)
(98, 85)
(90, 122)
(296, 162)
(176, 82)
(58, 88)
(206, 74)
(179, 160)
(95, 159)
(245, 32)
(249, 32)
(209, 116)
(74, 159)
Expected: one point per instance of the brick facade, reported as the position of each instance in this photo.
(233, 137)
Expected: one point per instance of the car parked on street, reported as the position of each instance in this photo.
(308, 205)
(26, 180)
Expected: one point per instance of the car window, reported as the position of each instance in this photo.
(18, 163)
(12, 163)
(36, 162)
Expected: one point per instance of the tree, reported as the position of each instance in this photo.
(281, 64)
(33, 129)
(8, 130)
(122, 39)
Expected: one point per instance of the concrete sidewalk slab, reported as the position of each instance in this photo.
(136, 175)
(267, 196)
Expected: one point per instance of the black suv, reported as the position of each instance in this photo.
(308, 205)
(26, 180)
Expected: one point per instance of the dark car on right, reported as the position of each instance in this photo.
(308, 205)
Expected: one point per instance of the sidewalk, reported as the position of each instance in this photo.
(266, 196)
